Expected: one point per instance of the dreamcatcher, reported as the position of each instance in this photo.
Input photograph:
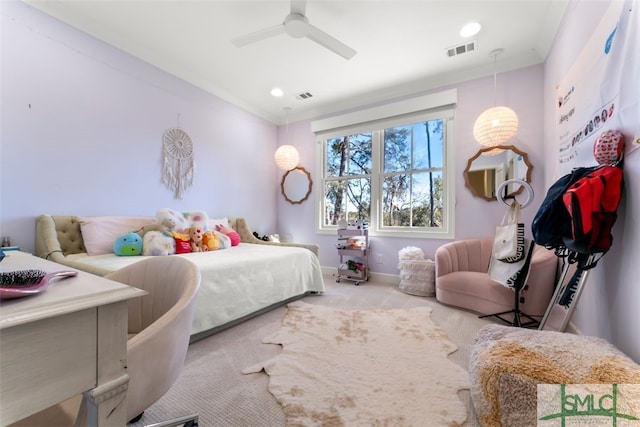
(177, 159)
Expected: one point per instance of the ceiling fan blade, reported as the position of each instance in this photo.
(298, 6)
(331, 43)
(258, 35)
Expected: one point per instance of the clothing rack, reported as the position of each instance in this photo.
(521, 281)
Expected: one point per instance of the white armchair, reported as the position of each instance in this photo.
(159, 330)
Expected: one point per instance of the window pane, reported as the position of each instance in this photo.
(428, 140)
(360, 154)
(397, 149)
(336, 156)
(349, 155)
(333, 202)
(347, 199)
(395, 201)
(427, 200)
(359, 199)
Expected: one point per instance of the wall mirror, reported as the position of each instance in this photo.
(296, 185)
(491, 166)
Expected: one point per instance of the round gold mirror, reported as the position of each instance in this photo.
(296, 185)
(492, 166)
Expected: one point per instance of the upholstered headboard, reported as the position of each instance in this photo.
(58, 236)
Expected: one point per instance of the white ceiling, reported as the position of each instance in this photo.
(401, 45)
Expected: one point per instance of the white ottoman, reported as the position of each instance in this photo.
(417, 277)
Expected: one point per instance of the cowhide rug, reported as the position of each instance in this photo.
(364, 368)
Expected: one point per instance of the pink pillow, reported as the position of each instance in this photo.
(229, 232)
(100, 232)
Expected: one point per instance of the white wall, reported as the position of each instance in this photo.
(609, 305)
(82, 127)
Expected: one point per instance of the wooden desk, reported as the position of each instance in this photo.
(70, 339)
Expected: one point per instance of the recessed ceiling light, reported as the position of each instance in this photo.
(276, 91)
(470, 29)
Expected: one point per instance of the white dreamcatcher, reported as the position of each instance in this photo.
(177, 158)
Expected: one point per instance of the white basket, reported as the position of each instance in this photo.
(417, 277)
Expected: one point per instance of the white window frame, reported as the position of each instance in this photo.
(430, 107)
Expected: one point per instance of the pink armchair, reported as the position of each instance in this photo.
(462, 279)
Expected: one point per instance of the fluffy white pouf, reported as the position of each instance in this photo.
(417, 274)
(410, 252)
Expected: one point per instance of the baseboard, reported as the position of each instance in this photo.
(572, 328)
(384, 278)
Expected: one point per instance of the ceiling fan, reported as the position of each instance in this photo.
(297, 25)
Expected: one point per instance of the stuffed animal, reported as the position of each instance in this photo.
(210, 240)
(182, 242)
(128, 244)
(165, 228)
(157, 243)
(230, 232)
(195, 236)
(180, 223)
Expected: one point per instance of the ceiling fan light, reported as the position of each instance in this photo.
(495, 126)
(286, 157)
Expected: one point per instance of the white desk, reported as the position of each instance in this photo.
(70, 339)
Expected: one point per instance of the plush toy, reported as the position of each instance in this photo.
(182, 241)
(195, 236)
(210, 240)
(128, 244)
(165, 228)
(180, 223)
(157, 243)
(230, 232)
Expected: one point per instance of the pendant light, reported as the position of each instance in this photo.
(498, 124)
(286, 156)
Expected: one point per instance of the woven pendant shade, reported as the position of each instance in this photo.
(286, 157)
(495, 126)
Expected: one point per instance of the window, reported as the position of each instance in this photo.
(347, 180)
(394, 173)
(412, 175)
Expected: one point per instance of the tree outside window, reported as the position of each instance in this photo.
(393, 178)
(348, 178)
(412, 177)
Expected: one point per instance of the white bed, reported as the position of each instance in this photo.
(237, 282)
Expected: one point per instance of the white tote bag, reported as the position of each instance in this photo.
(508, 240)
(512, 274)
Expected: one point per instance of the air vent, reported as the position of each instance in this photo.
(460, 49)
(304, 95)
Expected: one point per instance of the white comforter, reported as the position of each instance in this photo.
(238, 281)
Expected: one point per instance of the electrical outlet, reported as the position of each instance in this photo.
(378, 259)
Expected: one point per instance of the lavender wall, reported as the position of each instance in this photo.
(608, 307)
(82, 127)
(474, 217)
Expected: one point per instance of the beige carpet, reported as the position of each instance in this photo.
(384, 367)
(212, 384)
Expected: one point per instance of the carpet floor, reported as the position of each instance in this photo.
(212, 383)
